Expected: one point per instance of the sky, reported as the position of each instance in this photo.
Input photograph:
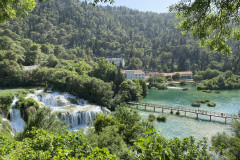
(159, 6)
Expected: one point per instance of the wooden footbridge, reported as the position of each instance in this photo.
(197, 112)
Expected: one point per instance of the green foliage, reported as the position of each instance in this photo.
(204, 100)
(207, 24)
(177, 113)
(228, 146)
(211, 104)
(102, 121)
(226, 80)
(157, 147)
(195, 104)
(161, 118)
(90, 88)
(207, 74)
(12, 8)
(104, 70)
(43, 118)
(159, 86)
(151, 117)
(5, 127)
(130, 90)
(42, 144)
(25, 103)
(176, 76)
(6, 99)
(183, 82)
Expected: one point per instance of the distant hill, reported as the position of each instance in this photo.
(146, 40)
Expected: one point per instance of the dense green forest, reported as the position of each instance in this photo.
(68, 41)
(71, 30)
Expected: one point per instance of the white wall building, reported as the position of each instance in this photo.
(133, 74)
(117, 61)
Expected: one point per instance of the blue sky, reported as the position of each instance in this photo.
(159, 6)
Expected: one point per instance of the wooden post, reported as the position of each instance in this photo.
(154, 109)
(145, 107)
(210, 117)
(162, 110)
(185, 113)
(197, 115)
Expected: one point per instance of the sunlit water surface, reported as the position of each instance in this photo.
(181, 126)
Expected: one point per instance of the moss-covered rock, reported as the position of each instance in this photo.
(151, 117)
(195, 104)
(161, 118)
(73, 101)
(211, 104)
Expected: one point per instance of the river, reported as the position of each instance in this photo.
(227, 101)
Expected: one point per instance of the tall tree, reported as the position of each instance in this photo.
(214, 22)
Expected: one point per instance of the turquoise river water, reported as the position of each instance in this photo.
(181, 126)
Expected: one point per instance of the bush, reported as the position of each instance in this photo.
(201, 87)
(171, 112)
(195, 104)
(6, 99)
(183, 83)
(25, 103)
(151, 117)
(198, 101)
(169, 79)
(204, 100)
(159, 85)
(177, 113)
(211, 104)
(161, 118)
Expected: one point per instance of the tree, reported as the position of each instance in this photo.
(15, 8)
(213, 22)
(176, 76)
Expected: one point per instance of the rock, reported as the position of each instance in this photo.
(25, 113)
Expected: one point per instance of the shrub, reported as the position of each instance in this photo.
(171, 112)
(204, 100)
(25, 103)
(161, 118)
(169, 79)
(177, 113)
(151, 117)
(6, 99)
(211, 104)
(159, 85)
(201, 87)
(195, 104)
(183, 83)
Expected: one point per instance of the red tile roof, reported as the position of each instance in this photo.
(181, 73)
(135, 71)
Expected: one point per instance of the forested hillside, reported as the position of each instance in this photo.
(70, 29)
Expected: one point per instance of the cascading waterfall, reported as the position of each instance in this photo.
(76, 119)
(16, 120)
(76, 113)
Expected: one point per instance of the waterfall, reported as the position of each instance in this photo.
(79, 119)
(76, 113)
(16, 120)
